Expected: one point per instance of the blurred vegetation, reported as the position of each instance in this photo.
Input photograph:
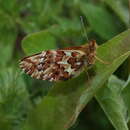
(30, 26)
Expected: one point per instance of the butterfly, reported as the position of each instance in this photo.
(60, 64)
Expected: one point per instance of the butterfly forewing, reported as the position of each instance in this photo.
(54, 65)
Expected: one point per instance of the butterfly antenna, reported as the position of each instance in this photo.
(100, 60)
(83, 27)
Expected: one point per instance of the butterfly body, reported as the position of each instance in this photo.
(61, 64)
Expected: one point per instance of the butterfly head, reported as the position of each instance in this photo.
(90, 50)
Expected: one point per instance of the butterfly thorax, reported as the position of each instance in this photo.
(90, 51)
(61, 64)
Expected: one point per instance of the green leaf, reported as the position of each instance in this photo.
(40, 15)
(69, 27)
(119, 9)
(7, 29)
(111, 101)
(14, 100)
(100, 20)
(10, 7)
(61, 107)
(126, 96)
(37, 42)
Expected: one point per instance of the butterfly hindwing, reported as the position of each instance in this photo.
(54, 65)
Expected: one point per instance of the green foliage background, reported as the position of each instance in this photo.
(30, 26)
